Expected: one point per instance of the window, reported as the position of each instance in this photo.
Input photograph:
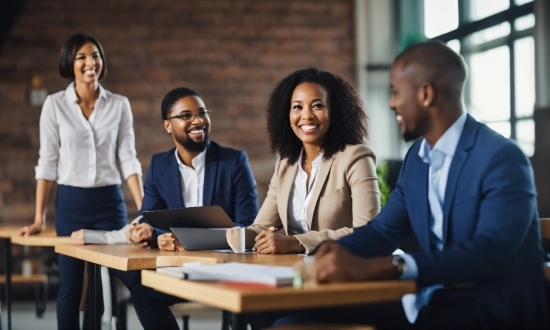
(496, 39)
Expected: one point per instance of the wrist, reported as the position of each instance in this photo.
(399, 265)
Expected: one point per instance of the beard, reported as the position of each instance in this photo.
(191, 145)
(409, 136)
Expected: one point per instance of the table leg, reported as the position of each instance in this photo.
(238, 321)
(94, 296)
(7, 252)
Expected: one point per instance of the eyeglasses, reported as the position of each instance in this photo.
(189, 117)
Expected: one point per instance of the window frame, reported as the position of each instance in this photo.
(466, 27)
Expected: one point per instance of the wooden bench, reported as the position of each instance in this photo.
(40, 281)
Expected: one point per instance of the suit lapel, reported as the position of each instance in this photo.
(466, 142)
(322, 176)
(422, 199)
(173, 177)
(284, 189)
(210, 173)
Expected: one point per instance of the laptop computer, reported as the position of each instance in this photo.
(201, 238)
(189, 217)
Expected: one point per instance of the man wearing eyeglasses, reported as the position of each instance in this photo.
(197, 172)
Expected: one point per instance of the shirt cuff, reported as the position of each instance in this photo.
(411, 269)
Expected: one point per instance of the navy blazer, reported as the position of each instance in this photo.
(228, 182)
(491, 232)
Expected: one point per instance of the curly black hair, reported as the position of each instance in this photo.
(348, 120)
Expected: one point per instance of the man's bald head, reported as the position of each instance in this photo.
(434, 63)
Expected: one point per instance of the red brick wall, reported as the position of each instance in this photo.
(232, 52)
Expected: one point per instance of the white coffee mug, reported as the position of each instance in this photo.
(236, 239)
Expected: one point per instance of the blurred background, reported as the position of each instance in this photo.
(233, 52)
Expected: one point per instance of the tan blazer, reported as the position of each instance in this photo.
(345, 195)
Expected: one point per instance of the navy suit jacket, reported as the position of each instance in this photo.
(228, 182)
(491, 232)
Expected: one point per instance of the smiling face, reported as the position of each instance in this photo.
(412, 117)
(310, 113)
(87, 64)
(193, 136)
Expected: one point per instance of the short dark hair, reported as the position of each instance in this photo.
(348, 120)
(173, 96)
(68, 51)
(439, 65)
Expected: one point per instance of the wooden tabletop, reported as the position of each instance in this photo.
(8, 231)
(46, 238)
(240, 299)
(129, 257)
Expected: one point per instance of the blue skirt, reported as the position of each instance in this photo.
(101, 208)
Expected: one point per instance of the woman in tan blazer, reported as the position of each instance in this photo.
(325, 181)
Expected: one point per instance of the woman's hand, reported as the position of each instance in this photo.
(168, 242)
(270, 242)
(77, 237)
(140, 234)
(32, 229)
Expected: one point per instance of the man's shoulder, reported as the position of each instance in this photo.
(224, 152)
(163, 156)
(490, 142)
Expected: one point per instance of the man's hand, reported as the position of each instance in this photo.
(77, 237)
(140, 234)
(31, 229)
(168, 242)
(333, 263)
(270, 242)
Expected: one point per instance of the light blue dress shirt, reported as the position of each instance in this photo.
(439, 158)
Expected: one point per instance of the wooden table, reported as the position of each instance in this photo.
(128, 257)
(248, 300)
(10, 236)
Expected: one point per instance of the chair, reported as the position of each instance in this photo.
(183, 310)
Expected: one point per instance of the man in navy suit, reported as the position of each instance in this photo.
(468, 194)
(197, 172)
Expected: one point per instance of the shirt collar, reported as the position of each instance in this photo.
(200, 159)
(316, 162)
(70, 93)
(447, 142)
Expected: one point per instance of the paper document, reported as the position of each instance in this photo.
(232, 272)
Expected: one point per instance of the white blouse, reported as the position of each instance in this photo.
(300, 195)
(82, 153)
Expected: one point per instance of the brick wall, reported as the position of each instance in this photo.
(232, 52)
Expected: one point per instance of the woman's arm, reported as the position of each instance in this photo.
(136, 189)
(43, 190)
(333, 216)
(268, 216)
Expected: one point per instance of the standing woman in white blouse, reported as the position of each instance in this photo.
(83, 130)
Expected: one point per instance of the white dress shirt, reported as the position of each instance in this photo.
(192, 179)
(300, 195)
(82, 153)
(439, 158)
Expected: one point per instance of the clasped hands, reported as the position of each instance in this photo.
(271, 242)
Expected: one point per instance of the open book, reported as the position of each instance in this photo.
(232, 272)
